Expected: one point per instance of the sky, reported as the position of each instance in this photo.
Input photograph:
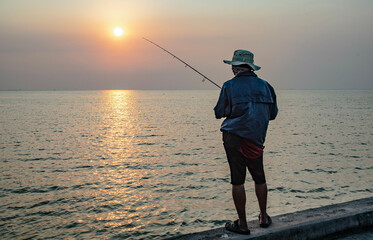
(69, 45)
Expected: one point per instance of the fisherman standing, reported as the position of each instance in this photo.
(247, 103)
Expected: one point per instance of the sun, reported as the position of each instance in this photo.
(118, 32)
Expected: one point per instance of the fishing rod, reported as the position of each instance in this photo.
(186, 64)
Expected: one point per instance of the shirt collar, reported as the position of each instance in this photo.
(247, 73)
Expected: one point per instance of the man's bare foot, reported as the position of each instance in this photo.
(235, 227)
(264, 222)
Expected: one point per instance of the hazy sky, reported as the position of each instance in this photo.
(310, 44)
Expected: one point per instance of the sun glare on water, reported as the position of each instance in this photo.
(118, 32)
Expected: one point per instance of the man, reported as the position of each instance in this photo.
(248, 103)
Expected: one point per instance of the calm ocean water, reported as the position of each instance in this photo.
(150, 164)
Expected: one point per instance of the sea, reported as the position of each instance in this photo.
(124, 164)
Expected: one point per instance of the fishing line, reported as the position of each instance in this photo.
(186, 64)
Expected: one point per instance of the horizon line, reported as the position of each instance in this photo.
(122, 89)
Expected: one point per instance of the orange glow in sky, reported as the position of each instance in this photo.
(98, 44)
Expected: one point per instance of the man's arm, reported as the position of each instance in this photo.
(222, 108)
(273, 109)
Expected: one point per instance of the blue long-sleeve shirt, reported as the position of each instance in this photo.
(248, 103)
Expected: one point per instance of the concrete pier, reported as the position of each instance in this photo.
(316, 223)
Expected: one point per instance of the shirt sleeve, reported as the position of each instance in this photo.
(222, 108)
(274, 109)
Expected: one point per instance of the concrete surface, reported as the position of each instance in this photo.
(316, 223)
(353, 235)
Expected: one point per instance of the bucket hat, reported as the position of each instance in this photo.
(243, 57)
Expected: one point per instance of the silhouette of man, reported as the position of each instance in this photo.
(247, 103)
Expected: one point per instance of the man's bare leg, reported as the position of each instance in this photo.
(239, 198)
(261, 193)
